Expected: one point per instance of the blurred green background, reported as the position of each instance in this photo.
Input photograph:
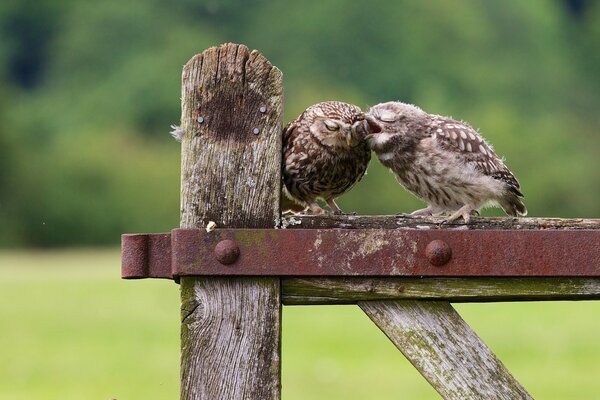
(88, 91)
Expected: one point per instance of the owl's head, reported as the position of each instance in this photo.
(336, 124)
(392, 118)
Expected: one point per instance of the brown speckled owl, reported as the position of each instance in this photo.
(324, 155)
(442, 161)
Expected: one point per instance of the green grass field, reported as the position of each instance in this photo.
(71, 329)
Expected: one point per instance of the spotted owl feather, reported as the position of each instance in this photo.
(461, 137)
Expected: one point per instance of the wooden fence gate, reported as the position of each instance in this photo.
(402, 272)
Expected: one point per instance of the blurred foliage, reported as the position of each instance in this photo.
(88, 91)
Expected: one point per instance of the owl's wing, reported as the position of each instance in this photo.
(461, 138)
(291, 126)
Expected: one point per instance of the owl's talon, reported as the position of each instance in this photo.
(403, 215)
(464, 212)
(423, 212)
(316, 209)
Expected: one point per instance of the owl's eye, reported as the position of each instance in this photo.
(331, 126)
(388, 117)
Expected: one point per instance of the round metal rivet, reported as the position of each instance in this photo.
(200, 120)
(256, 131)
(263, 109)
(438, 253)
(227, 252)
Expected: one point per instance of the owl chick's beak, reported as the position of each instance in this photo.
(372, 124)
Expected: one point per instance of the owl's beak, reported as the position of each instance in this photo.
(350, 139)
(357, 133)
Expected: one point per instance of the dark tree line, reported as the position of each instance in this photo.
(88, 91)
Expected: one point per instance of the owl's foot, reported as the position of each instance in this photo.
(316, 209)
(334, 207)
(423, 212)
(464, 212)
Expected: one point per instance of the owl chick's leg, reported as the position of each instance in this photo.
(334, 207)
(464, 212)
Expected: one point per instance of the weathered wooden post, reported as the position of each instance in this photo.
(232, 106)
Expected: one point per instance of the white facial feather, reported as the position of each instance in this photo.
(379, 139)
(386, 156)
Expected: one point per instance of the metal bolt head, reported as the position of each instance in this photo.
(200, 120)
(227, 252)
(438, 253)
(256, 131)
(263, 109)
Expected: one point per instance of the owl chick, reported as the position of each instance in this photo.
(444, 162)
(324, 155)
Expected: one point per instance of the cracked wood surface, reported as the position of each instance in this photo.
(331, 290)
(392, 221)
(232, 106)
(444, 349)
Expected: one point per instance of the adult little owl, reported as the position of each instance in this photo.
(444, 162)
(324, 155)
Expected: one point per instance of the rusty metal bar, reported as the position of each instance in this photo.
(146, 256)
(362, 252)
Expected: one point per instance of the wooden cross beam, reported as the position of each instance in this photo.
(402, 272)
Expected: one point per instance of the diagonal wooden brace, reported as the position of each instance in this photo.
(444, 349)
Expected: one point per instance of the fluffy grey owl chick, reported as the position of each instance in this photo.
(444, 162)
(324, 155)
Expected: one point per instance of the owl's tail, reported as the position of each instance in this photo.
(513, 205)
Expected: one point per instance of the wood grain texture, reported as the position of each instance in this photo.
(392, 221)
(231, 174)
(324, 290)
(230, 338)
(442, 346)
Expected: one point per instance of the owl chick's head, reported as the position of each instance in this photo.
(336, 124)
(392, 118)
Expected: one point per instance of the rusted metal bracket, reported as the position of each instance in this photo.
(361, 252)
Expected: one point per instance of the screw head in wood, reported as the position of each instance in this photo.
(438, 253)
(227, 252)
(200, 120)
(256, 131)
(263, 109)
